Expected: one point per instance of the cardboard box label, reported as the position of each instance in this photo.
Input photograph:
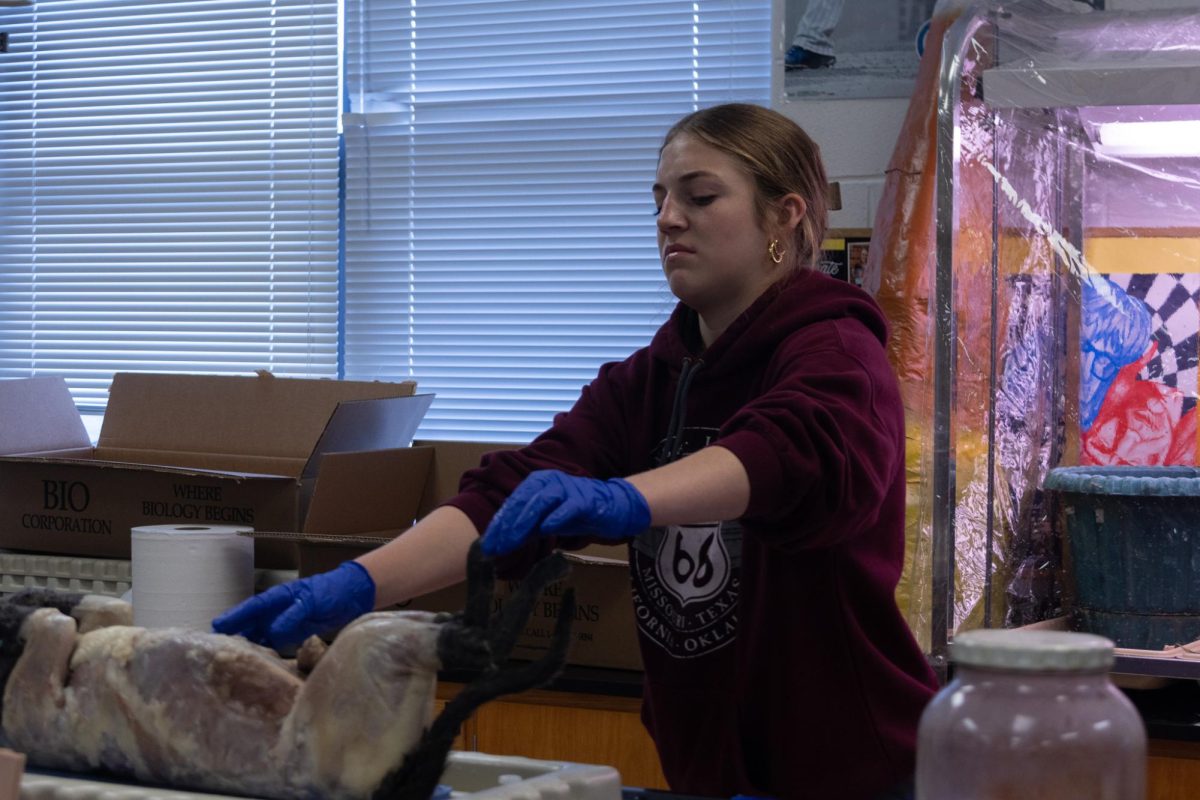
(61, 508)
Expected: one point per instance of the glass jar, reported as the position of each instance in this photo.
(1030, 714)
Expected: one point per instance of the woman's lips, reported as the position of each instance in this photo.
(675, 250)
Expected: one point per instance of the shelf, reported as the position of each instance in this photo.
(1157, 79)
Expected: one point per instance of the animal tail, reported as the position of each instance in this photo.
(417, 777)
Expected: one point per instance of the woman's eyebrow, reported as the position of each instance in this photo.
(684, 178)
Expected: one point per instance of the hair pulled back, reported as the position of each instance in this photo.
(777, 153)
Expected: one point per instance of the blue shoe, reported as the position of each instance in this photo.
(799, 58)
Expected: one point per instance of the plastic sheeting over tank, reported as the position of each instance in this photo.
(1037, 250)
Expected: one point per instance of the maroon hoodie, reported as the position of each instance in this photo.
(777, 662)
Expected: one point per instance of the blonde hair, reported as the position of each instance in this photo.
(777, 153)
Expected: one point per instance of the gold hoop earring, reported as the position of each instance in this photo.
(774, 252)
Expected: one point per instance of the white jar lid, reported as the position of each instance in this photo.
(1014, 649)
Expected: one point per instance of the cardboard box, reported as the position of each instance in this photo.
(371, 507)
(604, 633)
(256, 451)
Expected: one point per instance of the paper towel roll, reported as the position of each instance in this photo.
(184, 575)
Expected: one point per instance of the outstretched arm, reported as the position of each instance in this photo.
(430, 555)
(706, 486)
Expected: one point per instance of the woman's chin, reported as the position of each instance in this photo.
(684, 287)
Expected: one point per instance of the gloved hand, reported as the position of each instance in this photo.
(553, 503)
(285, 615)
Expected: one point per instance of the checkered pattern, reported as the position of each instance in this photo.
(1173, 300)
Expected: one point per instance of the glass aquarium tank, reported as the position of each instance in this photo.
(1062, 313)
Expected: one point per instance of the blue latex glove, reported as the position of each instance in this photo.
(286, 615)
(553, 503)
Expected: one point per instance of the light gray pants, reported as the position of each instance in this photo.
(814, 32)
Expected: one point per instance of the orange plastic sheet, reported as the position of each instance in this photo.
(899, 272)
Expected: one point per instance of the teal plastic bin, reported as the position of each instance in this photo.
(1133, 552)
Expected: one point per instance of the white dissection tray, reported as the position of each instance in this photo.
(472, 775)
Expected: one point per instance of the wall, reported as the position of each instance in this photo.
(856, 139)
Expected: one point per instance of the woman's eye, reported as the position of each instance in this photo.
(704, 200)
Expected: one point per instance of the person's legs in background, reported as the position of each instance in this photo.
(812, 46)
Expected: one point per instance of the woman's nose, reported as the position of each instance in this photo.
(668, 215)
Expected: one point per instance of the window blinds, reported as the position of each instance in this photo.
(168, 189)
(499, 230)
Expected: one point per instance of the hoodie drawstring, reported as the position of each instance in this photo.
(674, 440)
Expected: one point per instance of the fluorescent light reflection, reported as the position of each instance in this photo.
(1149, 139)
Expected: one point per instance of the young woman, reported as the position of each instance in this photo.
(753, 458)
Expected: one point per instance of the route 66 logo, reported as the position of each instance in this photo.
(693, 563)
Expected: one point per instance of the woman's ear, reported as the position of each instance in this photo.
(791, 208)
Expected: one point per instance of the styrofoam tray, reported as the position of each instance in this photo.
(469, 775)
(108, 576)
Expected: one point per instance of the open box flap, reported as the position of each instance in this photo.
(258, 415)
(38, 415)
(360, 425)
